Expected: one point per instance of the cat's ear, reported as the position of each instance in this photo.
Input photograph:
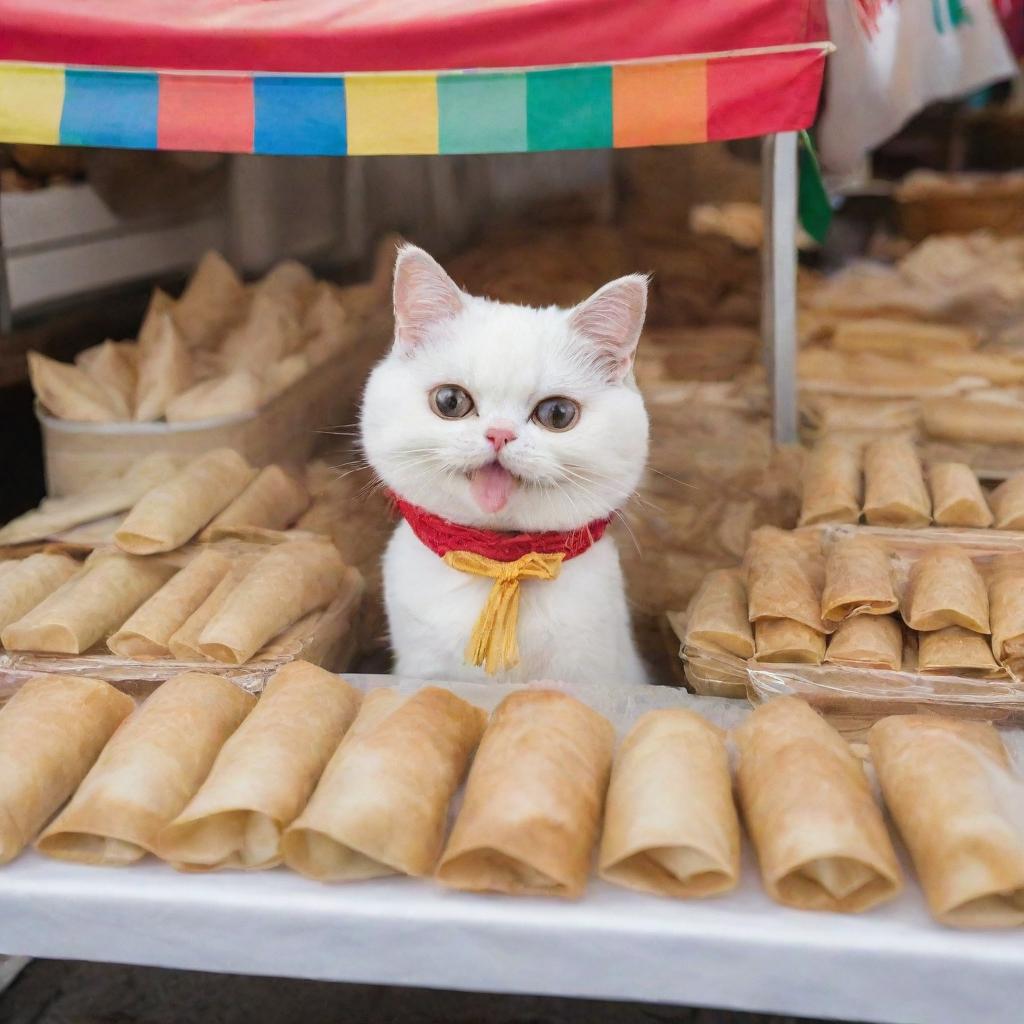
(611, 320)
(424, 295)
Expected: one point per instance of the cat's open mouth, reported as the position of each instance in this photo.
(491, 486)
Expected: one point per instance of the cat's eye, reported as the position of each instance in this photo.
(557, 413)
(451, 402)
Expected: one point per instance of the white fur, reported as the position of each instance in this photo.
(509, 358)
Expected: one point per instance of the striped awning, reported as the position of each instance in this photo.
(335, 81)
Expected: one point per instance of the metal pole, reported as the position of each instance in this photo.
(778, 284)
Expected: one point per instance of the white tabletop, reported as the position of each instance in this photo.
(741, 951)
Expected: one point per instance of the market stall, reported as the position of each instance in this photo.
(257, 566)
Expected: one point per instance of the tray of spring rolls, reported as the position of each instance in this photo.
(864, 623)
(546, 838)
(201, 568)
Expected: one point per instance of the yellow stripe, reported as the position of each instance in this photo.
(391, 114)
(31, 100)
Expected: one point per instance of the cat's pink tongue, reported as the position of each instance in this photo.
(491, 486)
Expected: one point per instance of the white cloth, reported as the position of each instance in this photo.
(917, 55)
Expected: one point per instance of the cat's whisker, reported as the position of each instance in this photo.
(674, 479)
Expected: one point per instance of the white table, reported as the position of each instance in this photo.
(739, 952)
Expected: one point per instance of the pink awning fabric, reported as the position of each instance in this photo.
(356, 36)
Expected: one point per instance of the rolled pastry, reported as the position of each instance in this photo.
(858, 580)
(718, 618)
(533, 801)
(55, 515)
(787, 642)
(820, 839)
(264, 774)
(112, 364)
(165, 370)
(1006, 603)
(966, 419)
(269, 332)
(51, 732)
(273, 500)
(27, 582)
(831, 484)
(230, 394)
(785, 574)
(955, 650)
(992, 366)
(957, 803)
(288, 582)
(184, 641)
(957, 498)
(284, 373)
(147, 633)
(382, 804)
(173, 512)
(148, 772)
(867, 641)
(901, 338)
(69, 393)
(88, 607)
(210, 302)
(159, 303)
(945, 589)
(1008, 503)
(894, 488)
(670, 823)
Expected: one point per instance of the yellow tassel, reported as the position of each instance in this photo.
(494, 643)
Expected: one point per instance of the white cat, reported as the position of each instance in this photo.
(508, 418)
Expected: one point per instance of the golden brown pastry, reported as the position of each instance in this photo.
(165, 370)
(184, 641)
(785, 575)
(211, 300)
(1007, 502)
(51, 731)
(894, 488)
(867, 641)
(113, 365)
(173, 512)
(533, 801)
(264, 774)
(858, 579)
(1006, 604)
(382, 804)
(147, 633)
(831, 484)
(957, 803)
(282, 586)
(269, 332)
(718, 618)
(69, 393)
(966, 419)
(89, 606)
(957, 498)
(670, 826)
(25, 583)
(273, 500)
(820, 838)
(945, 589)
(229, 394)
(787, 642)
(957, 651)
(148, 772)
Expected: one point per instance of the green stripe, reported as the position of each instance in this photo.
(569, 108)
(482, 113)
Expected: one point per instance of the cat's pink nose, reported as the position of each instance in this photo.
(499, 437)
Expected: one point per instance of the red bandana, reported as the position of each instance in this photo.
(442, 536)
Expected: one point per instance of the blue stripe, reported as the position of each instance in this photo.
(110, 108)
(299, 115)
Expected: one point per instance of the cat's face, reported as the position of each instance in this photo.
(504, 416)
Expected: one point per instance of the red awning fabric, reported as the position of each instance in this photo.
(353, 36)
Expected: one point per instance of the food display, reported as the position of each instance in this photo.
(670, 825)
(222, 349)
(382, 805)
(532, 808)
(820, 838)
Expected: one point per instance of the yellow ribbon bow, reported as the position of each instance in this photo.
(494, 643)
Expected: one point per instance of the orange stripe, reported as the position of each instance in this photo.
(660, 104)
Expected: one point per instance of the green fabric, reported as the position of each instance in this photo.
(482, 113)
(813, 204)
(569, 108)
